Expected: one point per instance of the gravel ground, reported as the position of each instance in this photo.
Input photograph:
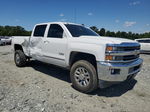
(40, 87)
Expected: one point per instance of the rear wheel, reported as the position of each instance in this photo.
(83, 76)
(20, 58)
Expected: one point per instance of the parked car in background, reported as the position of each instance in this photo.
(0, 42)
(4, 40)
(145, 45)
(8, 40)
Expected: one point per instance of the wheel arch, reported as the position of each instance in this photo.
(76, 56)
(18, 47)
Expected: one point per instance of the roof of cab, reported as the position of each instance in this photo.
(58, 23)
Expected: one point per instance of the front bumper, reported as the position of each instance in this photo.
(124, 70)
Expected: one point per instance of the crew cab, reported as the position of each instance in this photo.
(91, 59)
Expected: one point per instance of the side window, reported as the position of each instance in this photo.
(144, 41)
(147, 41)
(39, 30)
(55, 31)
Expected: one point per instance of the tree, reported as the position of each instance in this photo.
(107, 33)
(102, 32)
(118, 34)
(94, 28)
(130, 35)
(13, 31)
(20, 31)
(123, 35)
(112, 34)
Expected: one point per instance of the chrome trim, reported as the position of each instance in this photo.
(144, 51)
(125, 44)
(121, 61)
(134, 72)
(104, 70)
(123, 53)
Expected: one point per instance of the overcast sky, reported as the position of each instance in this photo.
(113, 15)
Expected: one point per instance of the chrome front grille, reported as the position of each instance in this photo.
(125, 52)
(126, 58)
(128, 48)
(130, 57)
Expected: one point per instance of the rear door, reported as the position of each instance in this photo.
(36, 41)
(55, 45)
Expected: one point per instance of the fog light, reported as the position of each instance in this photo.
(109, 57)
(115, 71)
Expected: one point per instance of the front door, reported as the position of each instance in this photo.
(55, 46)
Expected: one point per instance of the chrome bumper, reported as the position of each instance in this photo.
(117, 72)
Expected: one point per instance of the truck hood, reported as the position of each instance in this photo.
(102, 40)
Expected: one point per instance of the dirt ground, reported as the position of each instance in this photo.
(40, 87)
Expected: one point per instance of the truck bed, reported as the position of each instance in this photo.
(23, 41)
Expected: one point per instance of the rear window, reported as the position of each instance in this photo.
(39, 30)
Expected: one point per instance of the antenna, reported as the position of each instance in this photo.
(75, 15)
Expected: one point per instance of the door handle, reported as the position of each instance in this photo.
(46, 41)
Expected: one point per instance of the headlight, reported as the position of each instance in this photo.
(109, 48)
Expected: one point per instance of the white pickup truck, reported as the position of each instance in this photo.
(91, 59)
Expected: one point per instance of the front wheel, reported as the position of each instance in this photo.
(20, 58)
(83, 76)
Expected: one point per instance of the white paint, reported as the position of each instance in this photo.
(42, 48)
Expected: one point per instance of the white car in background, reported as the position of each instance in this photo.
(145, 45)
(2, 42)
(5, 40)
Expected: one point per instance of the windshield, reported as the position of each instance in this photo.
(77, 30)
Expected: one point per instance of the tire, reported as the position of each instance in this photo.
(20, 58)
(83, 76)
